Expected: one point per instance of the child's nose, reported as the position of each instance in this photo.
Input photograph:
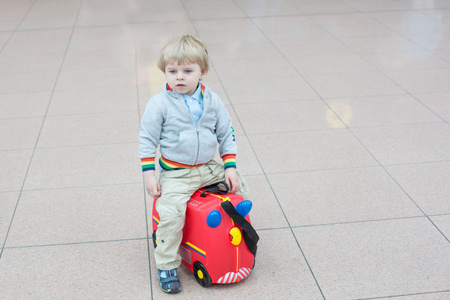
(180, 75)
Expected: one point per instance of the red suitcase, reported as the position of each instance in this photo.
(219, 242)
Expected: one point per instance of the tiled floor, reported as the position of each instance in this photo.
(341, 108)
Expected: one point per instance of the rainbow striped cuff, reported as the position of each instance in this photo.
(148, 164)
(229, 161)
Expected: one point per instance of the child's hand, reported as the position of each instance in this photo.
(232, 179)
(152, 184)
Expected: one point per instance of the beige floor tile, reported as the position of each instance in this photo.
(9, 24)
(271, 265)
(23, 105)
(437, 102)
(30, 63)
(407, 143)
(16, 48)
(99, 60)
(100, 270)
(368, 6)
(95, 78)
(19, 133)
(217, 87)
(406, 60)
(324, 47)
(62, 19)
(331, 64)
(361, 30)
(92, 101)
(239, 49)
(62, 216)
(312, 32)
(14, 168)
(246, 161)
(266, 212)
(267, 8)
(422, 81)
(119, 31)
(84, 166)
(291, 28)
(267, 90)
(342, 19)
(328, 197)
(381, 44)
(89, 129)
(232, 37)
(419, 25)
(323, 7)
(61, 35)
(432, 42)
(443, 223)
(441, 15)
(425, 184)
(213, 25)
(305, 151)
(219, 9)
(22, 83)
(353, 85)
(443, 54)
(378, 111)
(118, 46)
(246, 69)
(4, 37)
(286, 117)
(397, 257)
(426, 5)
(8, 201)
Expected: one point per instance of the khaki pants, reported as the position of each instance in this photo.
(177, 187)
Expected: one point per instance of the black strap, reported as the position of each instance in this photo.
(251, 238)
(216, 189)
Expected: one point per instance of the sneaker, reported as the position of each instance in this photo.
(169, 282)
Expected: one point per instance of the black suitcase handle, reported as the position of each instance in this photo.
(218, 188)
(251, 238)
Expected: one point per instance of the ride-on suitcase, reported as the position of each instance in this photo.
(219, 243)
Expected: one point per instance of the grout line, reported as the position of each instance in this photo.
(265, 174)
(233, 18)
(356, 137)
(353, 222)
(40, 130)
(74, 243)
(18, 197)
(13, 32)
(406, 295)
(143, 182)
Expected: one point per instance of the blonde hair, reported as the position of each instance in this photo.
(184, 49)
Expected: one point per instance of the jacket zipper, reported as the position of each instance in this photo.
(198, 144)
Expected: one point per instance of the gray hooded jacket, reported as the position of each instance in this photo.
(167, 122)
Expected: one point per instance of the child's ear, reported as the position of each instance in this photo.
(203, 75)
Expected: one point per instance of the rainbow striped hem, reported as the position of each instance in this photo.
(172, 165)
(148, 164)
(229, 161)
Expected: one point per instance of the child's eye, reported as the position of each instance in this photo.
(172, 72)
(188, 71)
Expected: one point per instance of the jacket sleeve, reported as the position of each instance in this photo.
(150, 133)
(225, 136)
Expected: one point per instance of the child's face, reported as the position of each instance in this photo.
(183, 78)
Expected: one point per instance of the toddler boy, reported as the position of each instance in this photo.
(188, 121)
